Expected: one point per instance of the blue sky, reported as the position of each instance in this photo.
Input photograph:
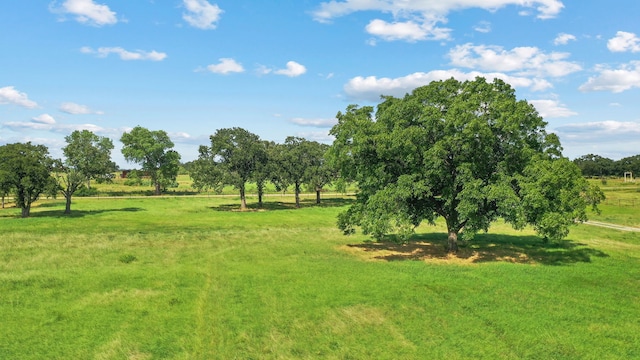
(283, 68)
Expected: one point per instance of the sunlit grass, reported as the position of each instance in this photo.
(193, 278)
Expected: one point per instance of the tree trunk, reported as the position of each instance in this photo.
(297, 195)
(157, 189)
(317, 196)
(452, 241)
(243, 199)
(26, 211)
(67, 208)
(3, 201)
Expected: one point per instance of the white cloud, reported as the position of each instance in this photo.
(371, 88)
(418, 19)
(88, 12)
(226, 66)
(124, 54)
(9, 95)
(53, 127)
(186, 138)
(201, 14)
(563, 39)
(623, 42)
(321, 123)
(600, 131)
(408, 30)
(626, 77)
(552, 109)
(483, 27)
(522, 60)
(293, 69)
(77, 109)
(44, 119)
(319, 136)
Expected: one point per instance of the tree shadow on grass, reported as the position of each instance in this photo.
(79, 213)
(282, 205)
(483, 248)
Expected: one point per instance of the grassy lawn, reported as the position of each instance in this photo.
(191, 278)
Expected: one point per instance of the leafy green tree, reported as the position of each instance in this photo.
(25, 169)
(87, 156)
(153, 151)
(628, 164)
(298, 162)
(264, 170)
(234, 157)
(321, 173)
(595, 165)
(468, 152)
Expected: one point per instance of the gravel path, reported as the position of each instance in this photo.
(613, 226)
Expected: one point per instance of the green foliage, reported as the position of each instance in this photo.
(234, 157)
(299, 161)
(469, 152)
(595, 165)
(25, 171)
(87, 157)
(84, 191)
(153, 151)
(127, 258)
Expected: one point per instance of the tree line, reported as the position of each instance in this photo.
(234, 157)
(468, 152)
(597, 166)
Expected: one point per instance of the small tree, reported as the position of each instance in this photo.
(468, 152)
(153, 151)
(298, 162)
(321, 173)
(234, 157)
(25, 169)
(87, 156)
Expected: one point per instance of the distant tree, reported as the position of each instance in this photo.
(320, 173)
(465, 151)
(595, 165)
(265, 170)
(298, 162)
(5, 185)
(25, 170)
(153, 151)
(628, 164)
(234, 157)
(87, 156)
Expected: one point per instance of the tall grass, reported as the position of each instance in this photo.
(193, 278)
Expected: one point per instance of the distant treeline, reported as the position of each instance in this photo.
(598, 166)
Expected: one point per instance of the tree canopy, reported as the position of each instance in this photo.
(299, 162)
(468, 152)
(153, 151)
(234, 157)
(87, 156)
(25, 170)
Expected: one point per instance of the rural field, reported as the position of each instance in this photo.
(185, 277)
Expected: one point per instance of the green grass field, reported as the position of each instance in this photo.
(192, 278)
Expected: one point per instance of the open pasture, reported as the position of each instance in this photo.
(192, 278)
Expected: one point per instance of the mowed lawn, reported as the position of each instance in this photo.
(192, 278)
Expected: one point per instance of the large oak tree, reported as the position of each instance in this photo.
(468, 152)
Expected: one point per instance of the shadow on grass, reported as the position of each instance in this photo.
(281, 205)
(79, 213)
(483, 248)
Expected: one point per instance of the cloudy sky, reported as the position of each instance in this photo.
(190, 67)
